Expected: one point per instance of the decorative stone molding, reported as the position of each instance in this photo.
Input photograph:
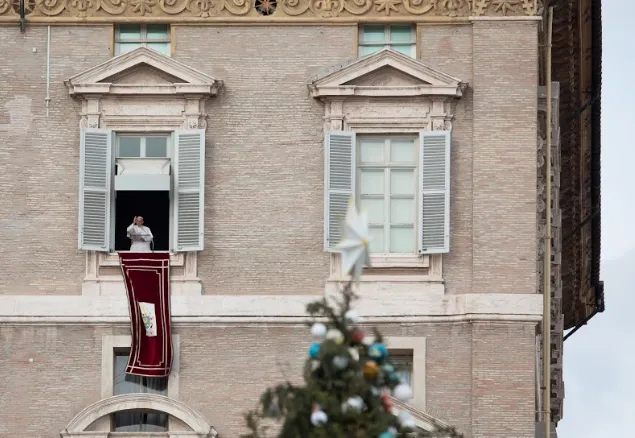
(388, 92)
(386, 73)
(108, 406)
(284, 10)
(382, 302)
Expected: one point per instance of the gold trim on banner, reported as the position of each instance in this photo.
(271, 11)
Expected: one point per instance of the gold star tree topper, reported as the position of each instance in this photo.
(354, 249)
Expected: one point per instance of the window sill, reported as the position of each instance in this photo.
(399, 261)
(112, 259)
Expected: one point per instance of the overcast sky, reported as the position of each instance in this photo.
(599, 359)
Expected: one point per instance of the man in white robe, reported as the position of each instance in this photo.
(140, 235)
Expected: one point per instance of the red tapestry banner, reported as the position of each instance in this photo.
(147, 279)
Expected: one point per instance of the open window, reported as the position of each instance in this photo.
(158, 176)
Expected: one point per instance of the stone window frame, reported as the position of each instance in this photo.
(433, 93)
(110, 344)
(416, 345)
(362, 125)
(94, 90)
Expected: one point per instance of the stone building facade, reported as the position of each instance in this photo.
(286, 109)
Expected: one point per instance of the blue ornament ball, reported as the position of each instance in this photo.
(387, 368)
(386, 434)
(378, 352)
(314, 350)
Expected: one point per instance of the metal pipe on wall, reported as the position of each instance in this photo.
(546, 291)
(48, 69)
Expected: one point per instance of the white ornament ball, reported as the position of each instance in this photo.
(319, 418)
(368, 341)
(318, 330)
(402, 392)
(335, 335)
(340, 362)
(352, 317)
(355, 403)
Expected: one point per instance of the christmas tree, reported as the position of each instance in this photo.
(349, 380)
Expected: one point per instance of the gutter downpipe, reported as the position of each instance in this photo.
(546, 319)
(48, 69)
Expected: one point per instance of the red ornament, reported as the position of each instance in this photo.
(385, 402)
(357, 336)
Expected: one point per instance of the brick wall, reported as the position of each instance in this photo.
(265, 161)
(39, 157)
(479, 378)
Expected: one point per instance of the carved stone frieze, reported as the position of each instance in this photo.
(202, 10)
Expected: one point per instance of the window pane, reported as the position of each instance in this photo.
(402, 182)
(406, 49)
(367, 50)
(129, 32)
(157, 32)
(402, 151)
(373, 34)
(129, 147)
(377, 239)
(372, 182)
(402, 240)
(402, 211)
(148, 421)
(401, 34)
(372, 151)
(375, 208)
(163, 48)
(125, 47)
(156, 147)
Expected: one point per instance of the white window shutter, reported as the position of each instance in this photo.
(95, 182)
(339, 180)
(189, 193)
(434, 177)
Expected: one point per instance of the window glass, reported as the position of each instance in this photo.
(156, 147)
(372, 182)
(163, 48)
(401, 33)
(387, 190)
(154, 36)
(129, 146)
(157, 32)
(374, 34)
(399, 37)
(135, 421)
(372, 151)
(129, 32)
(402, 151)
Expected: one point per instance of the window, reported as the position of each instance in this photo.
(387, 189)
(399, 37)
(402, 361)
(157, 176)
(142, 146)
(154, 36)
(403, 181)
(137, 421)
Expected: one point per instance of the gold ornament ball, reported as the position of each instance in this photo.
(370, 370)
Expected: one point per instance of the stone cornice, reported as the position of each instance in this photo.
(337, 81)
(174, 11)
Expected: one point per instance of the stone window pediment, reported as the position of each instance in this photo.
(386, 73)
(143, 71)
(140, 92)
